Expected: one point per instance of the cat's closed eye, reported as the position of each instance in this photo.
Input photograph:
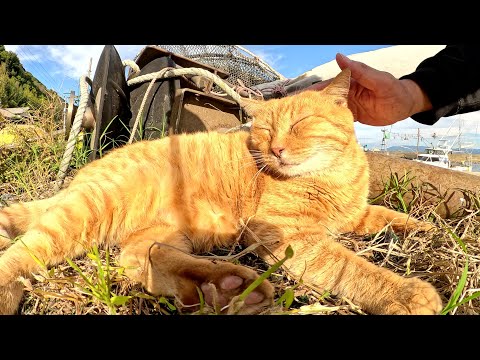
(299, 120)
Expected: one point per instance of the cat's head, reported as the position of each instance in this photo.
(303, 133)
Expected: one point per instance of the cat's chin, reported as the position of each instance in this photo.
(307, 167)
(290, 170)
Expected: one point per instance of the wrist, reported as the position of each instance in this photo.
(420, 100)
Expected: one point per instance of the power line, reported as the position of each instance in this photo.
(42, 73)
(41, 66)
(68, 76)
(34, 66)
(39, 75)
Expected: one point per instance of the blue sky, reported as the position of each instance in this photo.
(59, 67)
(293, 60)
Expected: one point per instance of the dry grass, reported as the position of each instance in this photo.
(95, 284)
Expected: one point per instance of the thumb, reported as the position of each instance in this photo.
(342, 61)
(362, 73)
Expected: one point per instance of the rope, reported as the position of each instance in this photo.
(72, 138)
(243, 90)
(133, 65)
(188, 71)
(158, 74)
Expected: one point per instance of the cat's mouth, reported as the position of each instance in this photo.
(288, 168)
(286, 164)
(297, 167)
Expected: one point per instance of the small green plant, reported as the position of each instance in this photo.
(162, 131)
(394, 192)
(453, 302)
(106, 142)
(287, 298)
(99, 285)
(81, 151)
(157, 300)
(31, 164)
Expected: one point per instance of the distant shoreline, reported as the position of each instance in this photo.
(455, 157)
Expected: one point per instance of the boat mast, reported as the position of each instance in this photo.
(418, 139)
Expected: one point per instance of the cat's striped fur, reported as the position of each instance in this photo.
(298, 177)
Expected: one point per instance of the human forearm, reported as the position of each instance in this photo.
(451, 82)
(420, 100)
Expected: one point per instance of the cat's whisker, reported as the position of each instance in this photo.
(240, 159)
(254, 178)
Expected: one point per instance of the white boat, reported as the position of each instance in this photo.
(439, 156)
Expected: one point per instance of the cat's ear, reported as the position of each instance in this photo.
(250, 106)
(339, 87)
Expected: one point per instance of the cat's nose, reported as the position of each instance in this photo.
(278, 151)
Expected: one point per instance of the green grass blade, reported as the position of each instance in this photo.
(172, 307)
(452, 302)
(79, 271)
(467, 299)
(266, 274)
(202, 300)
(119, 300)
(402, 202)
(286, 299)
(35, 258)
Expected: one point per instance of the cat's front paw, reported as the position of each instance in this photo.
(10, 297)
(225, 288)
(415, 297)
(169, 272)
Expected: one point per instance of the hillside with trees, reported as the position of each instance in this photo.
(18, 87)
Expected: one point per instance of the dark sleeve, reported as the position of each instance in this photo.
(451, 80)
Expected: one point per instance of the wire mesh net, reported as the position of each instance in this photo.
(238, 62)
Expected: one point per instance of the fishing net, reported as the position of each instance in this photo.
(240, 63)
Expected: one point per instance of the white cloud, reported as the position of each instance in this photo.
(72, 60)
(12, 48)
(25, 53)
(270, 55)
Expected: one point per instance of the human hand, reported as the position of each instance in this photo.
(378, 98)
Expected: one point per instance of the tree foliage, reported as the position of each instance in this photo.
(18, 87)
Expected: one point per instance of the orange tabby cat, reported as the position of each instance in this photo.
(297, 178)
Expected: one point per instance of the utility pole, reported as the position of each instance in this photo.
(385, 136)
(89, 68)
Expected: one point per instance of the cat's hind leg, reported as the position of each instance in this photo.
(16, 218)
(160, 258)
(328, 265)
(53, 233)
(23, 258)
(377, 217)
